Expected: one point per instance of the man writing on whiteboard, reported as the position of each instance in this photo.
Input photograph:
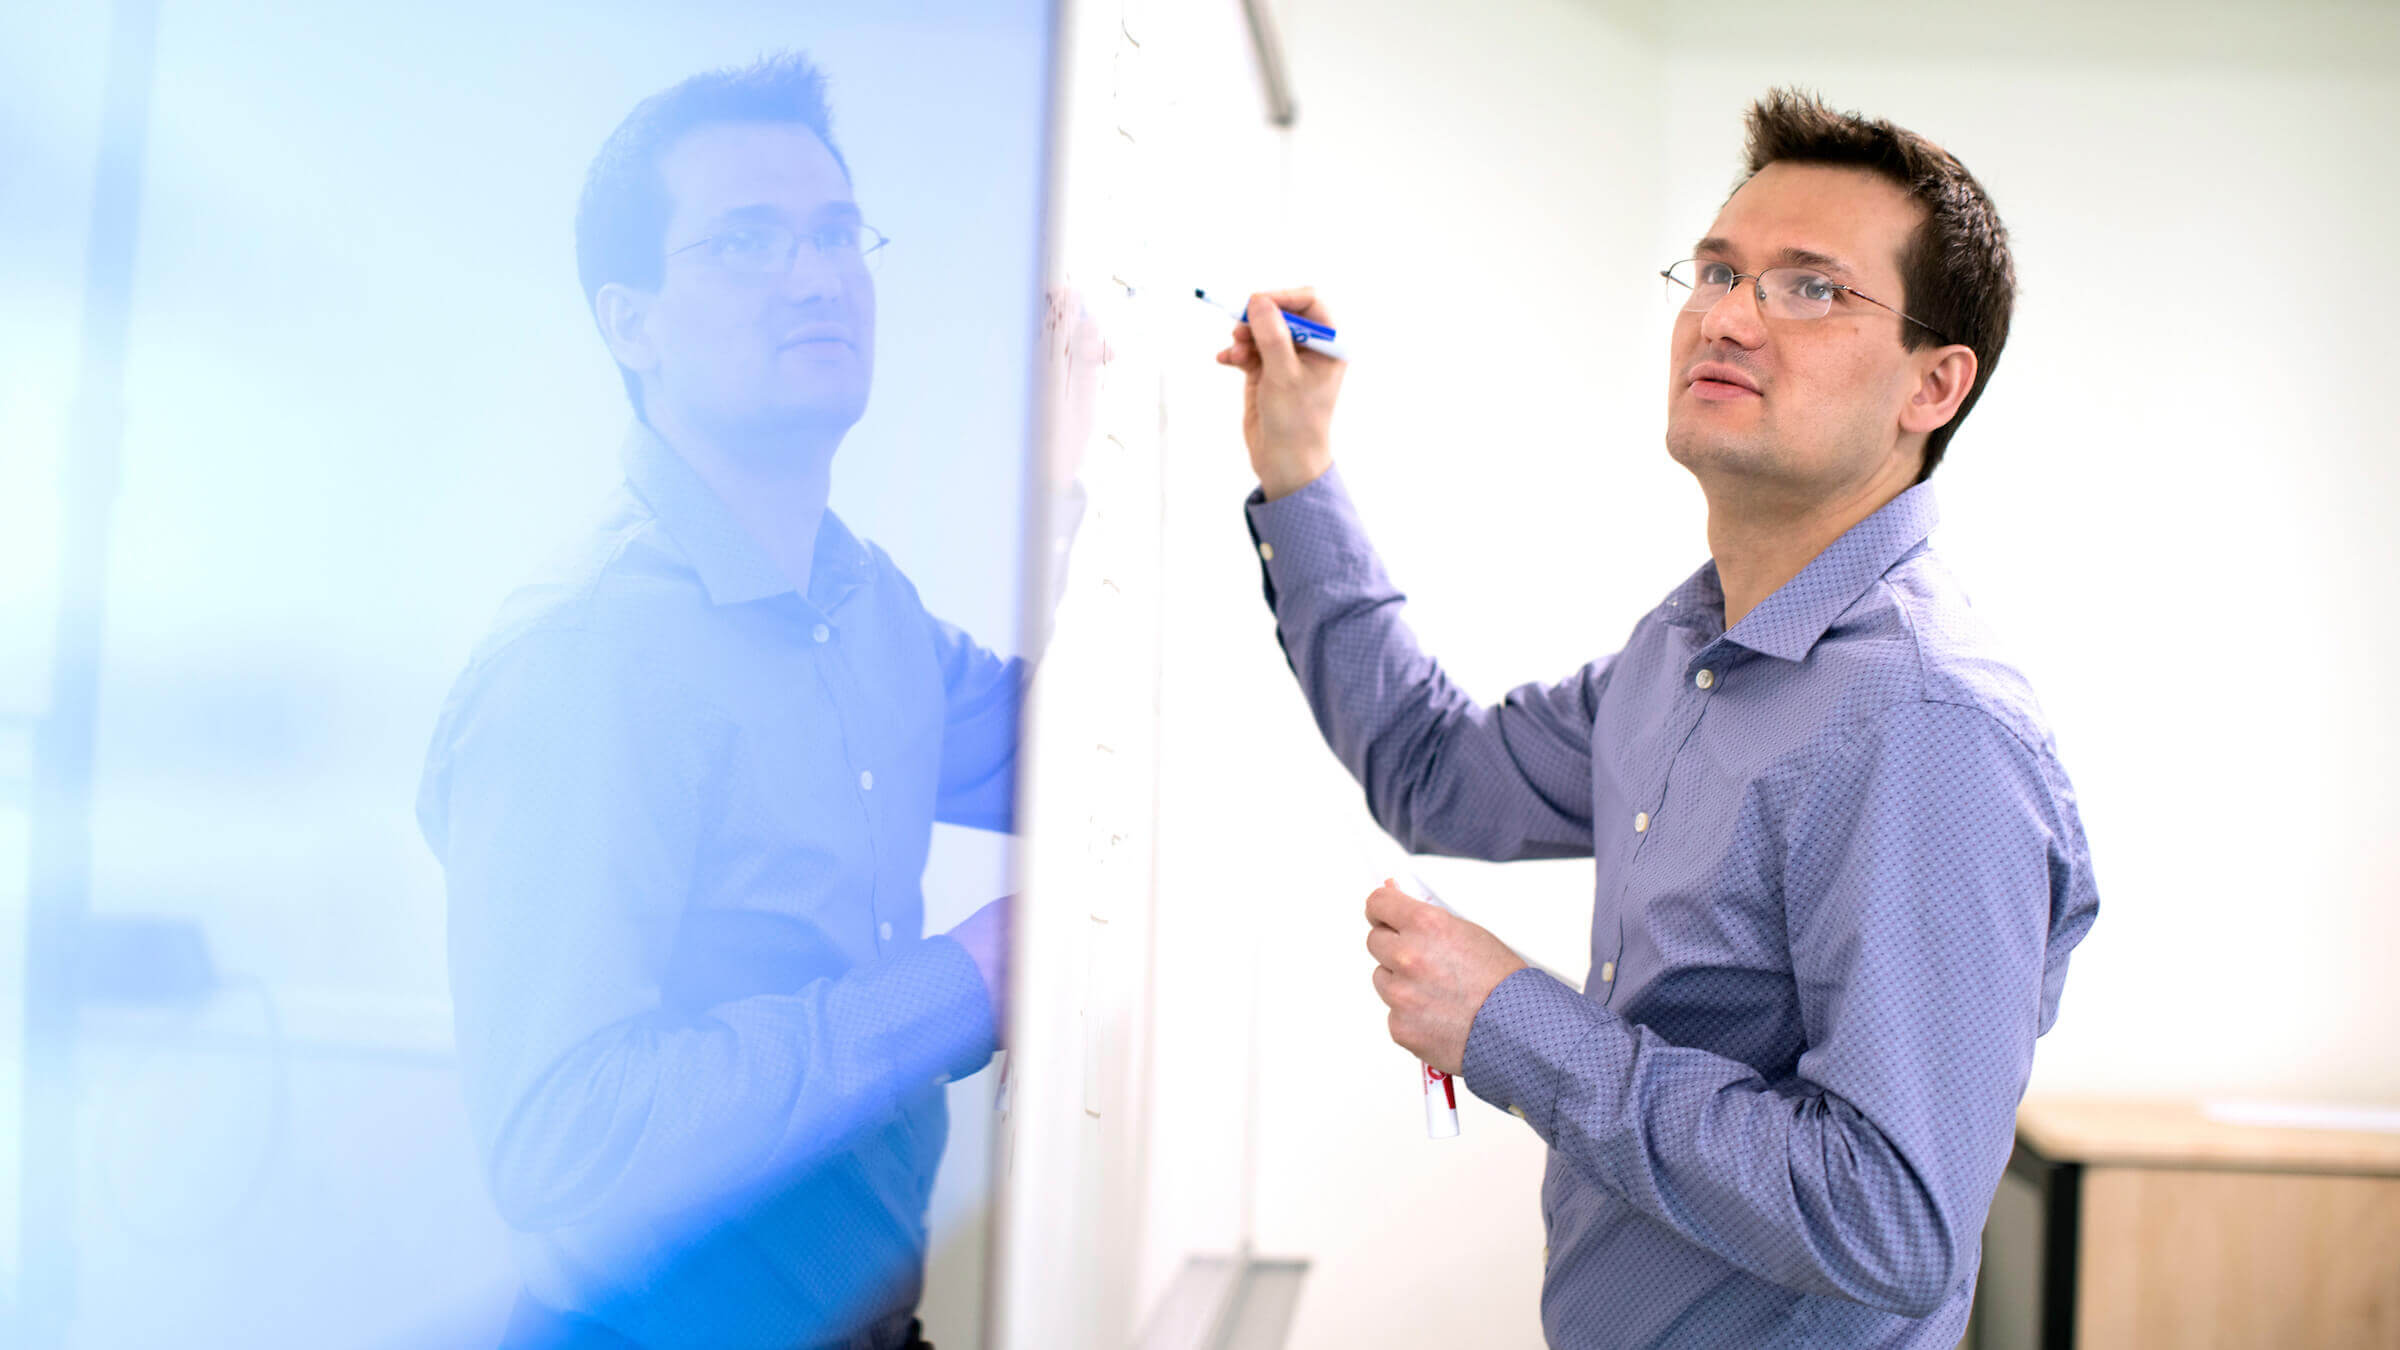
(1839, 866)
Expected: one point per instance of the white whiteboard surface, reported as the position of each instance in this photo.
(1126, 1141)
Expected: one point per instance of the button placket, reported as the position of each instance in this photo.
(1604, 975)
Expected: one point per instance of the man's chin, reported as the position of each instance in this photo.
(1696, 448)
(1720, 456)
(826, 411)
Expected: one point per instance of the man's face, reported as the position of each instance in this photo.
(1829, 391)
(755, 352)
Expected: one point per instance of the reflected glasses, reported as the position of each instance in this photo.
(770, 250)
(1783, 292)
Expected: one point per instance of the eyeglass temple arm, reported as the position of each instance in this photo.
(1901, 312)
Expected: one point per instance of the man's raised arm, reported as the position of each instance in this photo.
(1442, 773)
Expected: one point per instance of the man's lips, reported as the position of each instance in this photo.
(1718, 382)
(818, 335)
(1720, 391)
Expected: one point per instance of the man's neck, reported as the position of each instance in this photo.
(775, 492)
(1762, 535)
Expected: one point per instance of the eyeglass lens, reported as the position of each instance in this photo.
(1790, 292)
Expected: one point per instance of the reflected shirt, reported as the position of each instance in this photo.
(683, 811)
(1839, 873)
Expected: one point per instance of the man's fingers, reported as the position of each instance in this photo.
(1392, 907)
(1303, 301)
(1272, 336)
(1384, 945)
(1382, 979)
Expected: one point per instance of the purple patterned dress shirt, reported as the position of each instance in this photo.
(1839, 873)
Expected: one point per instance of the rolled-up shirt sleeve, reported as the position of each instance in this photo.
(568, 791)
(1442, 773)
(1921, 873)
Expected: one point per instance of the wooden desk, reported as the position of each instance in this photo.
(2133, 1224)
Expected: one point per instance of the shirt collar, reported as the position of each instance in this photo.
(1788, 623)
(732, 565)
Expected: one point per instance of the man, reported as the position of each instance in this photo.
(1839, 867)
(684, 792)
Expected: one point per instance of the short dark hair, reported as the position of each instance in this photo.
(621, 220)
(1955, 272)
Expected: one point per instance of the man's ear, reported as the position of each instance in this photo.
(623, 314)
(1941, 387)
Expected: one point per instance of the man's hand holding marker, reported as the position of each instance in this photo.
(1287, 394)
(1433, 969)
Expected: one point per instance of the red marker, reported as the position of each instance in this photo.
(1441, 1104)
(1441, 1093)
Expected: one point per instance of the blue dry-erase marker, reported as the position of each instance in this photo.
(1306, 333)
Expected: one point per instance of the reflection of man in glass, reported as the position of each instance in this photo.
(684, 792)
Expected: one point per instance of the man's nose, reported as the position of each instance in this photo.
(813, 276)
(1736, 317)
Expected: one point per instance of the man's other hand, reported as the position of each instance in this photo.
(986, 935)
(1433, 969)
(1073, 357)
(1287, 393)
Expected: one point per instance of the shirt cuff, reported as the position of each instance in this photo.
(961, 1006)
(1310, 535)
(1526, 1031)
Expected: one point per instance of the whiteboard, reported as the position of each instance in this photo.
(1161, 124)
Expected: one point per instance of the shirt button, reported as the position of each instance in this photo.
(1266, 552)
(1517, 1111)
(1608, 972)
(886, 930)
(1641, 821)
(866, 780)
(821, 633)
(1705, 678)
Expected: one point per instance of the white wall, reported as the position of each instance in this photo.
(2177, 502)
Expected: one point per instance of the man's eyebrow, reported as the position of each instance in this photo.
(756, 213)
(1788, 257)
(761, 213)
(1824, 262)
